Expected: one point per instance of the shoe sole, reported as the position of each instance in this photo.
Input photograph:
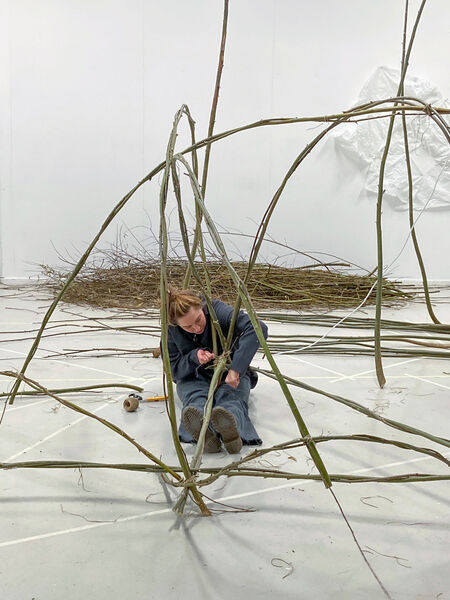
(225, 424)
(192, 420)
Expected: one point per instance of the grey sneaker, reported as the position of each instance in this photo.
(225, 424)
(192, 419)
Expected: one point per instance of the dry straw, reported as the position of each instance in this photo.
(123, 285)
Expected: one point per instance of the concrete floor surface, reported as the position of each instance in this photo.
(106, 534)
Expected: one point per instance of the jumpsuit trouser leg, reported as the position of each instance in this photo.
(194, 392)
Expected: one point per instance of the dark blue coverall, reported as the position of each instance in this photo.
(193, 379)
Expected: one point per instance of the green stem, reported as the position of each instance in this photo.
(37, 386)
(379, 294)
(360, 408)
(412, 225)
(76, 389)
(249, 472)
(358, 112)
(255, 322)
(261, 232)
(163, 240)
(212, 120)
(215, 326)
(196, 459)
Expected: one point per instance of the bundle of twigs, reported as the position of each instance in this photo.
(137, 284)
(398, 338)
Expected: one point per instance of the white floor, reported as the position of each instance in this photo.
(107, 534)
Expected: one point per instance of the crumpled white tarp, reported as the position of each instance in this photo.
(430, 152)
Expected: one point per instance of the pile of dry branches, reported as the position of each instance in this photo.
(136, 285)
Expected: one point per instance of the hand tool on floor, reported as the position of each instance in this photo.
(131, 403)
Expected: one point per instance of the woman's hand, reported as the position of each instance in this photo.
(232, 379)
(205, 356)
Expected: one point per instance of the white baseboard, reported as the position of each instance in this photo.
(432, 282)
(14, 281)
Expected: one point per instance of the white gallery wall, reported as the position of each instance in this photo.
(88, 94)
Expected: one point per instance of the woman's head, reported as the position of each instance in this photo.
(185, 310)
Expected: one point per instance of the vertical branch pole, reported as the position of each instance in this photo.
(410, 192)
(259, 237)
(42, 390)
(221, 363)
(379, 294)
(185, 239)
(242, 291)
(412, 226)
(163, 242)
(212, 120)
(177, 190)
(71, 277)
(197, 458)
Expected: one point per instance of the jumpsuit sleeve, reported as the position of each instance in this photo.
(182, 365)
(246, 342)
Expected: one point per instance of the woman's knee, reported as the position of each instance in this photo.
(226, 394)
(191, 393)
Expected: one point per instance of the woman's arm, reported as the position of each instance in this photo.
(182, 365)
(245, 340)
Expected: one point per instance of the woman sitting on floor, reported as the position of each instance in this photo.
(191, 355)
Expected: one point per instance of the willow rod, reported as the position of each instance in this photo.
(262, 228)
(83, 388)
(360, 408)
(215, 326)
(352, 322)
(379, 295)
(189, 254)
(196, 459)
(212, 120)
(411, 219)
(163, 240)
(217, 472)
(249, 472)
(434, 113)
(37, 386)
(255, 322)
(410, 191)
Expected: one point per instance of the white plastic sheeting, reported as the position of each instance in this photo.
(430, 152)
